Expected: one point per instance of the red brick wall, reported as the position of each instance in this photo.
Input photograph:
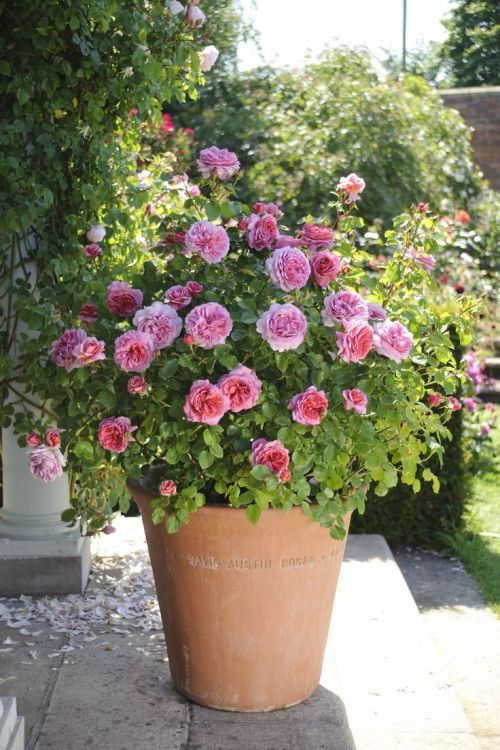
(480, 108)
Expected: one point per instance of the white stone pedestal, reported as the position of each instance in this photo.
(11, 726)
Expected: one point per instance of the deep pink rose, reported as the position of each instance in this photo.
(274, 210)
(325, 267)
(352, 185)
(288, 268)
(194, 288)
(218, 162)
(134, 351)
(274, 455)
(93, 250)
(316, 237)
(454, 403)
(470, 404)
(167, 488)
(242, 387)
(53, 438)
(160, 322)
(205, 403)
(376, 312)
(344, 307)
(122, 300)
(392, 340)
(207, 240)
(259, 208)
(89, 350)
(45, 463)
(137, 385)
(356, 342)
(285, 240)
(178, 297)
(283, 327)
(209, 325)
(309, 406)
(33, 439)
(434, 399)
(115, 433)
(88, 314)
(62, 350)
(262, 231)
(355, 399)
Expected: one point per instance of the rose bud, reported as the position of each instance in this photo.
(188, 339)
(422, 208)
(33, 439)
(53, 438)
(194, 17)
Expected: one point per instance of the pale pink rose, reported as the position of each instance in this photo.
(355, 399)
(352, 185)
(122, 300)
(175, 7)
(89, 350)
(454, 403)
(434, 399)
(33, 439)
(96, 233)
(490, 406)
(218, 162)
(62, 350)
(242, 387)
(45, 463)
(283, 327)
(209, 325)
(274, 455)
(273, 209)
(344, 307)
(316, 237)
(309, 406)
(423, 259)
(108, 529)
(168, 488)
(92, 251)
(207, 240)
(208, 58)
(136, 385)
(470, 404)
(392, 340)
(160, 322)
(193, 190)
(284, 240)
(288, 268)
(88, 314)
(262, 231)
(178, 297)
(325, 267)
(53, 438)
(194, 17)
(356, 342)
(194, 288)
(205, 403)
(134, 351)
(115, 433)
(376, 312)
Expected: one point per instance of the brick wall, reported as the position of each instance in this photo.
(480, 108)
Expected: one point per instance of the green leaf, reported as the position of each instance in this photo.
(253, 513)
(84, 450)
(69, 515)
(173, 524)
(205, 459)
(107, 399)
(260, 471)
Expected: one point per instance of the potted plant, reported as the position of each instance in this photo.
(252, 383)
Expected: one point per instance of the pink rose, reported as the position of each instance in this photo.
(194, 288)
(470, 404)
(344, 307)
(137, 385)
(274, 210)
(288, 268)
(122, 300)
(352, 185)
(422, 208)
(96, 233)
(283, 327)
(262, 231)
(108, 529)
(167, 488)
(160, 322)
(208, 58)
(485, 429)
(134, 351)
(355, 399)
(46, 464)
(53, 438)
(423, 259)
(316, 237)
(309, 406)
(92, 251)
(209, 325)
(205, 403)
(62, 350)
(115, 433)
(33, 439)
(207, 240)
(194, 17)
(490, 406)
(259, 207)
(454, 403)
(274, 455)
(356, 342)
(375, 312)
(325, 267)
(217, 162)
(392, 340)
(89, 350)
(242, 387)
(88, 314)
(284, 240)
(434, 399)
(178, 297)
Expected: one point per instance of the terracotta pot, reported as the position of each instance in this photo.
(245, 609)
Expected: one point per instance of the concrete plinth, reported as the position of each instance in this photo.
(11, 726)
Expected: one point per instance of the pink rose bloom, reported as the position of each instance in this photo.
(423, 259)
(122, 300)
(194, 17)
(62, 350)
(470, 404)
(262, 231)
(344, 307)
(490, 406)
(88, 314)
(209, 325)
(283, 327)
(242, 387)
(485, 429)
(92, 251)
(316, 237)
(454, 403)
(194, 288)
(355, 399)
(205, 403)
(309, 406)
(392, 340)
(356, 342)
(207, 240)
(137, 385)
(284, 240)
(134, 351)
(167, 488)
(115, 433)
(434, 399)
(375, 312)
(46, 464)
(33, 439)
(108, 529)
(89, 350)
(288, 268)
(352, 185)
(325, 267)
(96, 233)
(160, 322)
(178, 297)
(218, 162)
(274, 210)
(274, 455)
(53, 438)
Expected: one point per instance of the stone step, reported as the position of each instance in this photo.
(11, 725)
(492, 367)
(490, 391)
